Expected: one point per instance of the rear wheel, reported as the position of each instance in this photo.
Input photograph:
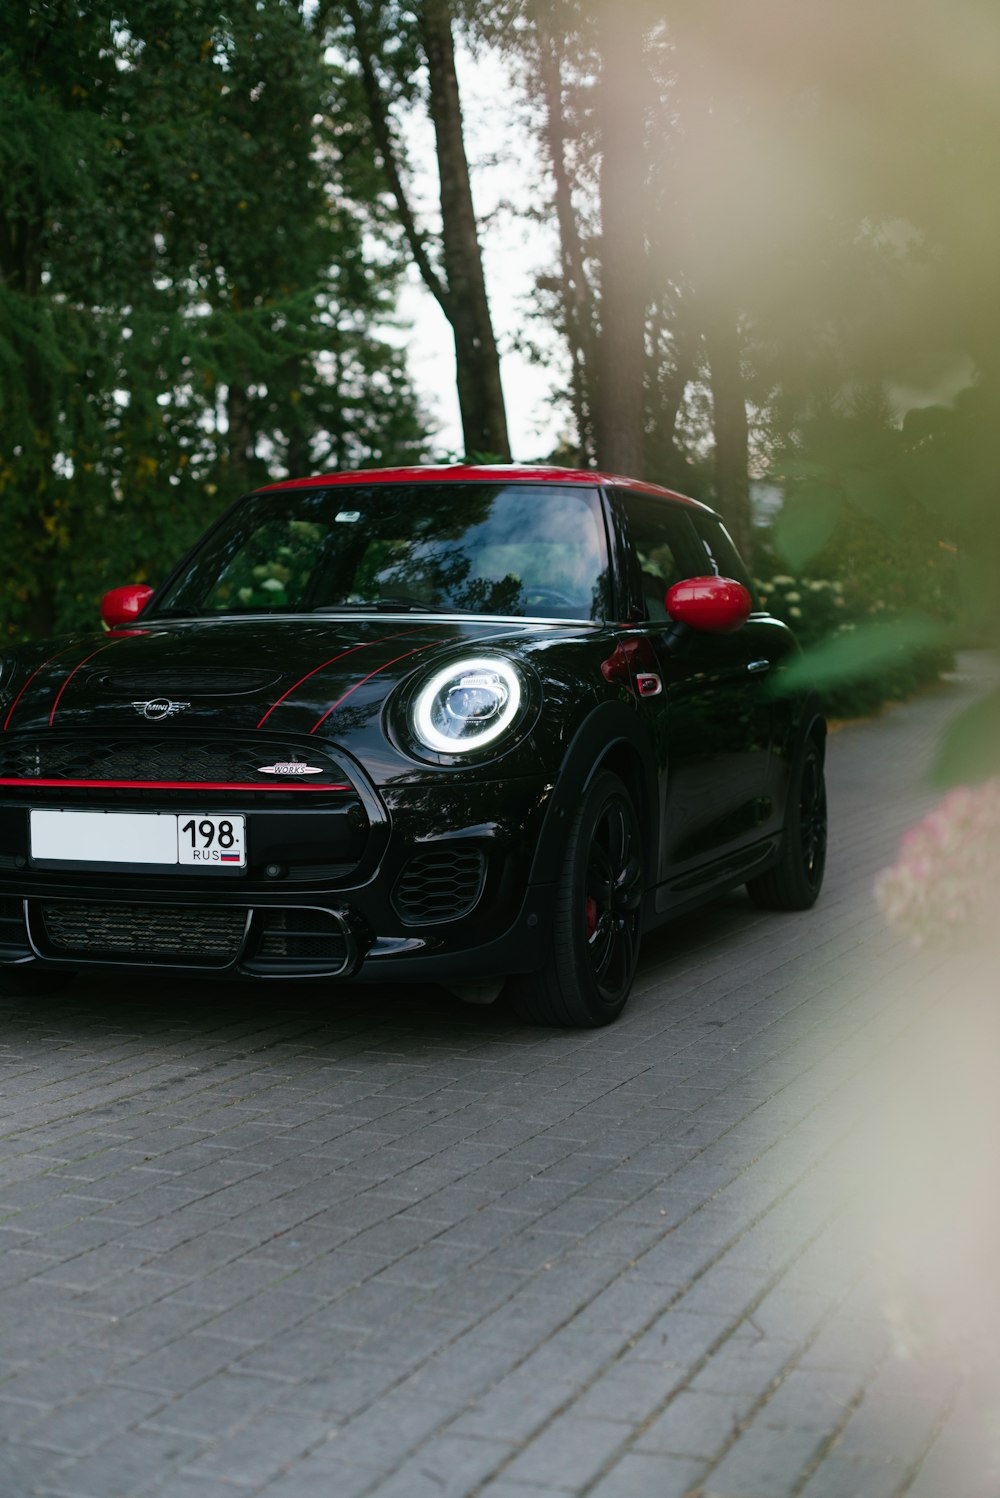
(797, 877)
(595, 927)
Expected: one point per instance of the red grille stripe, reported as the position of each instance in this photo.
(363, 646)
(31, 678)
(172, 785)
(76, 668)
(385, 665)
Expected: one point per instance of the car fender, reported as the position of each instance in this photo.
(808, 723)
(610, 737)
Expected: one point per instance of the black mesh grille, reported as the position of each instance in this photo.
(190, 682)
(309, 936)
(179, 932)
(148, 757)
(439, 884)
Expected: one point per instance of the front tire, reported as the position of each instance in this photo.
(796, 879)
(594, 943)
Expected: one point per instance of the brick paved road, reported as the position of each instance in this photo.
(261, 1242)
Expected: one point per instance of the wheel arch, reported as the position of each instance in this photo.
(610, 738)
(807, 722)
(814, 725)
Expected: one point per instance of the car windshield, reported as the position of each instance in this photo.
(530, 550)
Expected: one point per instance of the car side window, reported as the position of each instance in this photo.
(664, 549)
(720, 551)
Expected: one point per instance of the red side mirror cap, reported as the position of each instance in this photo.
(715, 605)
(122, 606)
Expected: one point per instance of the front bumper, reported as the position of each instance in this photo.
(434, 890)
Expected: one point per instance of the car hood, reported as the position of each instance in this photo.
(288, 676)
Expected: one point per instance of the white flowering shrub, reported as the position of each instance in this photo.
(821, 609)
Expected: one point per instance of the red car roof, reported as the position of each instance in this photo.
(486, 473)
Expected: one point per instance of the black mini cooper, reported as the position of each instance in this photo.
(473, 726)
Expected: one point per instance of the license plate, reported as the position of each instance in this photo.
(211, 842)
(187, 837)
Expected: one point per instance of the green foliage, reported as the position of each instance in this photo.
(969, 751)
(858, 509)
(857, 652)
(187, 286)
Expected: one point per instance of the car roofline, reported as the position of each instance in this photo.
(484, 474)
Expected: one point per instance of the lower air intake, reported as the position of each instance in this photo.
(181, 934)
(439, 884)
(308, 936)
(12, 931)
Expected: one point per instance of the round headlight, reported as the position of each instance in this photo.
(467, 705)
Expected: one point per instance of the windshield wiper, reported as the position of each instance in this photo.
(382, 605)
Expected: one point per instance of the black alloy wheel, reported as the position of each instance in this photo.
(796, 879)
(596, 922)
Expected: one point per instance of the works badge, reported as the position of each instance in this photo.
(289, 767)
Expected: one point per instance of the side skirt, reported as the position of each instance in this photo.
(696, 886)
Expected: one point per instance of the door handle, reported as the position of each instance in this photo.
(758, 667)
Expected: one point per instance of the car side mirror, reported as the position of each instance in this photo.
(712, 605)
(122, 606)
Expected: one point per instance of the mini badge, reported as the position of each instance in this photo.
(160, 707)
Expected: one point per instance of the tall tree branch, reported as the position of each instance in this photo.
(480, 391)
(576, 294)
(382, 131)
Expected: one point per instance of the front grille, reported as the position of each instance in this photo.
(182, 933)
(307, 936)
(148, 757)
(439, 884)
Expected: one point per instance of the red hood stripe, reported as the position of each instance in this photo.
(363, 646)
(174, 785)
(76, 668)
(31, 678)
(385, 665)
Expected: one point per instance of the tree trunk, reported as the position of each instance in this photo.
(732, 479)
(575, 292)
(385, 144)
(239, 416)
(674, 349)
(480, 394)
(21, 271)
(619, 413)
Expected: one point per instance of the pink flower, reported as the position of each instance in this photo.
(944, 889)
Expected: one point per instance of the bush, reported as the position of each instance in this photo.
(822, 609)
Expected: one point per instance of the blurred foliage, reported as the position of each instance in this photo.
(885, 343)
(906, 514)
(187, 285)
(861, 648)
(967, 754)
(816, 221)
(875, 599)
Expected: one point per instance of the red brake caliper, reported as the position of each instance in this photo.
(591, 916)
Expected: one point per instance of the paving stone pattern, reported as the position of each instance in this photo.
(274, 1240)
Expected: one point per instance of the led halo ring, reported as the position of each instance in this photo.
(427, 698)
